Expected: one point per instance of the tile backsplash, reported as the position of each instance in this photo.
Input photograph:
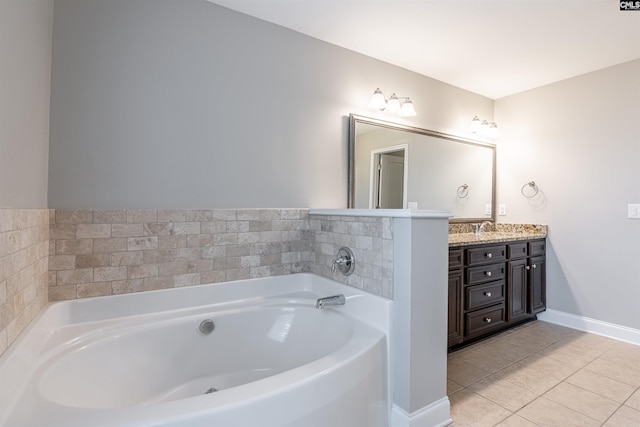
(62, 254)
(370, 238)
(24, 249)
(95, 252)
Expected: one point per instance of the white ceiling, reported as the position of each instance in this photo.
(491, 47)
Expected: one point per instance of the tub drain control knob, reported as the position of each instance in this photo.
(345, 261)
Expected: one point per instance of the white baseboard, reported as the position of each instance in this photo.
(435, 414)
(581, 323)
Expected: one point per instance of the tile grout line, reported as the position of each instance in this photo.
(618, 405)
(583, 368)
(573, 410)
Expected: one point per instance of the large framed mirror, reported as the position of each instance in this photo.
(394, 166)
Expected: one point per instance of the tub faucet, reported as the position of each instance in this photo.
(329, 301)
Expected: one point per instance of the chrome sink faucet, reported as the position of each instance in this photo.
(479, 228)
(329, 301)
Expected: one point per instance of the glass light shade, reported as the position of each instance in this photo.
(493, 132)
(484, 128)
(393, 104)
(475, 125)
(407, 109)
(377, 101)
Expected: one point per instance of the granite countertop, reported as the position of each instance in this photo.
(461, 234)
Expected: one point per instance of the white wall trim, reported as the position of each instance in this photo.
(435, 414)
(391, 213)
(586, 324)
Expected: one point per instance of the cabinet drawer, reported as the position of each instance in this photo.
(481, 321)
(486, 254)
(479, 296)
(455, 258)
(536, 247)
(517, 250)
(485, 273)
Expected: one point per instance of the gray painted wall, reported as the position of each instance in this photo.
(25, 76)
(579, 139)
(185, 104)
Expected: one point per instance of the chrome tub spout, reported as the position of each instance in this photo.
(329, 301)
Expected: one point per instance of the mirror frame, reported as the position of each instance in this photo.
(354, 119)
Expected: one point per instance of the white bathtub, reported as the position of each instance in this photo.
(141, 360)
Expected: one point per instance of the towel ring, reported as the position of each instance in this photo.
(463, 191)
(533, 192)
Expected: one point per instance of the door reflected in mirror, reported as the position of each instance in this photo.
(389, 175)
(395, 167)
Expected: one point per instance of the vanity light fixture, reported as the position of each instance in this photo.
(401, 106)
(484, 128)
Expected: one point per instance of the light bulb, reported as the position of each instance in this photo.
(393, 104)
(493, 132)
(377, 101)
(407, 109)
(484, 128)
(475, 124)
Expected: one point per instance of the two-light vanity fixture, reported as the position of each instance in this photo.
(484, 128)
(401, 106)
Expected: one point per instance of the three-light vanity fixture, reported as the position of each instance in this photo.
(484, 128)
(400, 105)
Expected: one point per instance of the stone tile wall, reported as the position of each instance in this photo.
(24, 249)
(370, 239)
(95, 252)
(53, 255)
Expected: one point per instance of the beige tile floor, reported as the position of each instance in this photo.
(541, 374)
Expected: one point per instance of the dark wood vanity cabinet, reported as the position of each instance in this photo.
(537, 285)
(454, 323)
(494, 286)
(518, 290)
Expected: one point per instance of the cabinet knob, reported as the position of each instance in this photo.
(488, 273)
(534, 266)
(528, 267)
(487, 319)
(489, 255)
(488, 294)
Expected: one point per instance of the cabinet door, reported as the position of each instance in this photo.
(454, 325)
(517, 294)
(537, 284)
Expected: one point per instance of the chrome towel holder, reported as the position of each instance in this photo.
(531, 192)
(463, 191)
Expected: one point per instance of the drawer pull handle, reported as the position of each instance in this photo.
(489, 255)
(487, 319)
(488, 273)
(488, 294)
